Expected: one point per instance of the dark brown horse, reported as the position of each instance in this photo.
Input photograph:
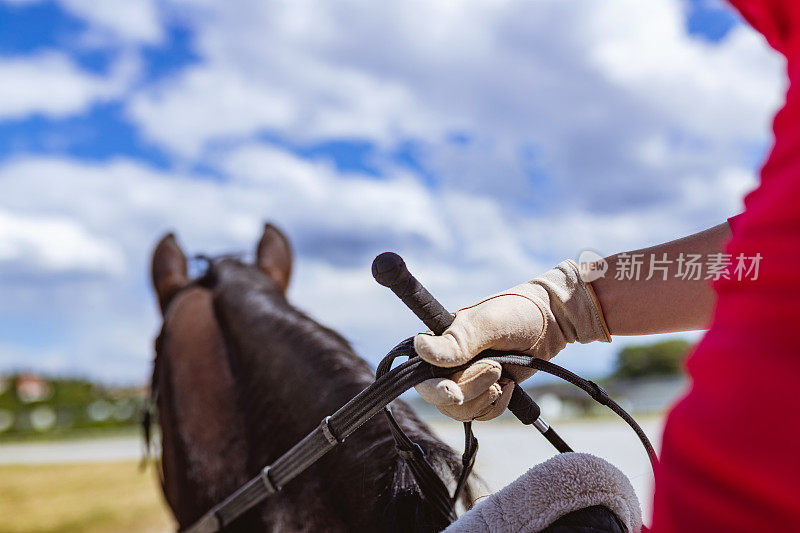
(241, 376)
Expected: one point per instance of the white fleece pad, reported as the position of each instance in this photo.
(548, 491)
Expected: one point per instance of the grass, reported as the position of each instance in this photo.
(92, 498)
(73, 434)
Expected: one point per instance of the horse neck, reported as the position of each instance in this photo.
(291, 373)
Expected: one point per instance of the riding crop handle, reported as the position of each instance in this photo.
(390, 270)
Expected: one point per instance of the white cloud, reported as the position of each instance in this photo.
(244, 101)
(134, 21)
(461, 245)
(304, 193)
(130, 20)
(337, 223)
(622, 113)
(53, 244)
(420, 69)
(720, 90)
(49, 83)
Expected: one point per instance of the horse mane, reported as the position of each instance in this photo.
(278, 354)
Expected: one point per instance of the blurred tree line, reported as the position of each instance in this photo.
(645, 378)
(664, 358)
(32, 405)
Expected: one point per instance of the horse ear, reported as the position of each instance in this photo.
(274, 256)
(169, 271)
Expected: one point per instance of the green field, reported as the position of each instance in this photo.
(96, 497)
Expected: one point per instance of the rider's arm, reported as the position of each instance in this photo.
(541, 316)
(671, 300)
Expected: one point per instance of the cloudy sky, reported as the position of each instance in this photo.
(484, 140)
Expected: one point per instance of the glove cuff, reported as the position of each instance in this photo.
(593, 304)
(570, 305)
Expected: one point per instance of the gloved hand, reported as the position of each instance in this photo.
(538, 318)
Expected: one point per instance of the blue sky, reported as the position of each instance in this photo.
(485, 141)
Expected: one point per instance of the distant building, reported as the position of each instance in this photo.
(32, 388)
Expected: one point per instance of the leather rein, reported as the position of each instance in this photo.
(390, 270)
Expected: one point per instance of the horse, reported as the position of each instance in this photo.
(241, 375)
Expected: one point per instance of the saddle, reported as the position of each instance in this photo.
(572, 492)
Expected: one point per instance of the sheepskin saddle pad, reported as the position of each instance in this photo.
(572, 492)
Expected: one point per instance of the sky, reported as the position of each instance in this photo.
(483, 140)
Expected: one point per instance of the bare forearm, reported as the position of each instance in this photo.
(668, 301)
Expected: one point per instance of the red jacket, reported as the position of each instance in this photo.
(731, 451)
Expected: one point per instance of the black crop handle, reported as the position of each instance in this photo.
(391, 271)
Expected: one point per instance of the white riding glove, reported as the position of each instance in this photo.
(538, 318)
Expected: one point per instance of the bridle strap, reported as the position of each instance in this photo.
(432, 488)
(386, 388)
(431, 485)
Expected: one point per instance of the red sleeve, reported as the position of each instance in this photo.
(730, 460)
(773, 19)
(733, 222)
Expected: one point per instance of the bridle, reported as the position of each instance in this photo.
(390, 270)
